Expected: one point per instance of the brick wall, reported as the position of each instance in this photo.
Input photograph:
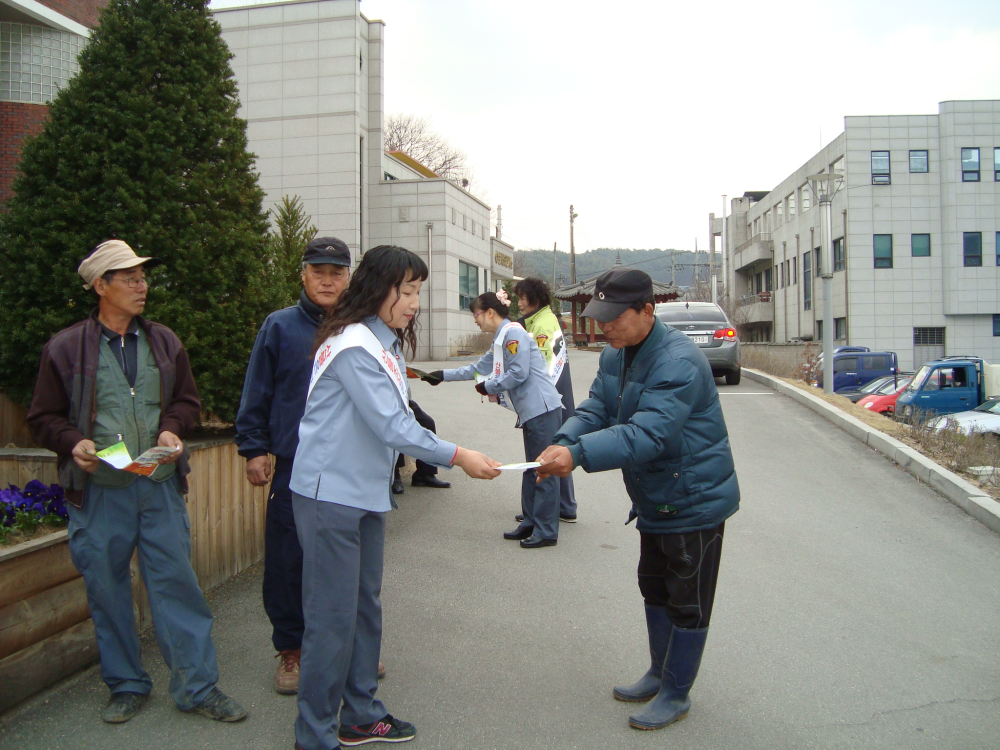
(82, 11)
(17, 120)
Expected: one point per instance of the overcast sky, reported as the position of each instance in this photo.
(643, 114)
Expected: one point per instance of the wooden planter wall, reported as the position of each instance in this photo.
(45, 628)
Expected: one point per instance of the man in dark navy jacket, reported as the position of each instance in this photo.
(274, 398)
(654, 413)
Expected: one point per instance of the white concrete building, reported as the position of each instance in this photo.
(916, 227)
(310, 78)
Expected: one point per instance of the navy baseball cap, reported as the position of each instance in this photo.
(616, 291)
(327, 250)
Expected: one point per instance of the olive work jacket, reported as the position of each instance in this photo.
(661, 423)
(64, 403)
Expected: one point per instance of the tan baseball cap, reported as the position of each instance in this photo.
(112, 255)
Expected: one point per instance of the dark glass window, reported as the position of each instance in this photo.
(819, 261)
(882, 247)
(920, 245)
(996, 165)
(807, 292)
(880, 168)
(840, 328)
(918, 161)
(970, 165)
(972, 249)
(838, 255)
(468, 284)
(844, 364)
(996, 325)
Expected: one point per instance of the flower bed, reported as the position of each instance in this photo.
(37, 509)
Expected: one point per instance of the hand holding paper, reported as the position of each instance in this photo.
(118, 456)
(556, 461)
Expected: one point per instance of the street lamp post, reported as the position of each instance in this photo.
(824, 188)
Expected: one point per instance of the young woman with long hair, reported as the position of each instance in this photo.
(516, 374)
(357, 419)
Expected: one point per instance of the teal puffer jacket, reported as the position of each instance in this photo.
(661, 423)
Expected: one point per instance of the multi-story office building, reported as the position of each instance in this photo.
(916, 239)
(310, 77)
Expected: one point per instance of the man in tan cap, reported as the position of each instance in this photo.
(119, 378)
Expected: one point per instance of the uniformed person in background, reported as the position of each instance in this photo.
(541, 322)
(515, 373)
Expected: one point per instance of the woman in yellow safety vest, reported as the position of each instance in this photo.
(541, 323)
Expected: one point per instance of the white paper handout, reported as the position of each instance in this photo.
(519, 467)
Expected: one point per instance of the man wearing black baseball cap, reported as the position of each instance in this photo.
(273, 401)
(654, 413)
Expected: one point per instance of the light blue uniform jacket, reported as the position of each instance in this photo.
(525, 376)
(354, 426)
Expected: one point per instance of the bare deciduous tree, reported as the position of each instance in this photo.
(414, 136)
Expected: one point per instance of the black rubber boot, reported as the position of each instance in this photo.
(679, 672)
(658, 628)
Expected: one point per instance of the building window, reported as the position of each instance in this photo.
(468, 284)
(970, 165)
(996, 165)
(767, 280)
(996, 325)
(805, 198)
(819, 261)
(388, 177)
(807, 292)
(972, 249)
(790, 200)
(454, 216)
(882, 247)
(880, 168)
(997, 248)
(920, 245)
(918, 161)
(795, 270)
(838, 254)
(840, 328)
(779, 214)
(819, 330)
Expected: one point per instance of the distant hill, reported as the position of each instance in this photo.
(594, 262)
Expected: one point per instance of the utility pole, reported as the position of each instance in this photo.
(554, 244)
(499, 220)
(824, 187)
(725, 248)
(572, 247)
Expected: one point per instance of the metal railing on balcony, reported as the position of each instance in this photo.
(761, 237)
(749, 299)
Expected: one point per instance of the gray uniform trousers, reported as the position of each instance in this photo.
(540, 502)
(102, 537)
(342, 550)
(567, 495)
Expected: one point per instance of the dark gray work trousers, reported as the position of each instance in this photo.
(342, 550)
(540, 502)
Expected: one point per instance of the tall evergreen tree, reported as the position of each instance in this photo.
(293, 230)
(143, 145)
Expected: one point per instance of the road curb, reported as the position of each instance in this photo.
(964, 494)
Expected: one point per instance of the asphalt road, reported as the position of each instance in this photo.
(856, 609)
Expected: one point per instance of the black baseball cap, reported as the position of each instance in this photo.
(327, 250)
(615, 291)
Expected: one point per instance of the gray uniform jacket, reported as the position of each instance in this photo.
(525, 375)
(354, 426)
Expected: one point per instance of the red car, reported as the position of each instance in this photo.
(883, 401)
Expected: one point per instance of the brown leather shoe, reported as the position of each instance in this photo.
(286, 678)
(381, 670)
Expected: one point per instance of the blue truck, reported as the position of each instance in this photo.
(949, 385)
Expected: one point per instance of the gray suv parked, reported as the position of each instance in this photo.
(707, 326)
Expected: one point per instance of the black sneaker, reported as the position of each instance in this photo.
(386, 729)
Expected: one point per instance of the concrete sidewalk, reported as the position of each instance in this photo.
(856, 609)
